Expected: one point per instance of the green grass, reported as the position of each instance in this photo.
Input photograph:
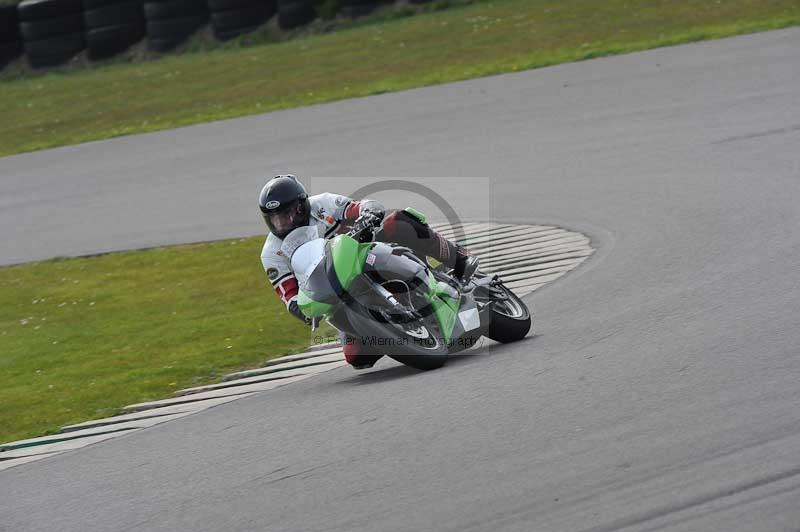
(480, 39)
(80, 338)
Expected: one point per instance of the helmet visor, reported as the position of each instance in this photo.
(282, 221)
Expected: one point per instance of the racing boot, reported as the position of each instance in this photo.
(465, 265)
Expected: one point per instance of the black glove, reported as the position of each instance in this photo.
(294, 310)
(373, 207)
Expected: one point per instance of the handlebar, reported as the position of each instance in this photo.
(364, 227)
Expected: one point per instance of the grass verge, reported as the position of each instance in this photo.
(480, 39)
(80, 338)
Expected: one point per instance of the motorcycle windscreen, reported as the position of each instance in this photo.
(298, 238)
(308, 264)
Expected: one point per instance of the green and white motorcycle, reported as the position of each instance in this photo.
(393, 302)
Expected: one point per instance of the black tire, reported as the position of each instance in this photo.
(169, 9)
(236, 19)
(51, 27)
(39, 9)
(54, 50)
(226, 5)
(9, 25)
(9, 51)
(174, 28)
(128, 13)
(359, 8)
(409, 350)
(111, 40)
(510, 321)
(97, 4)
(163, 44)
(294, 13)
(232, 34)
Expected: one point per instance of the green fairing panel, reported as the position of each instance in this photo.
(445, 308)
(311, 308)
(348, 258)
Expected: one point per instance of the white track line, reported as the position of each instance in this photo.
(513, 274)
(505, 236)
(567, 242)
(192, 407)
(257, 387)
(278, 368)
(518, 246)
(556, 251)
(261, 378)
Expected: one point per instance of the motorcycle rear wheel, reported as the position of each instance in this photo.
(510, 318)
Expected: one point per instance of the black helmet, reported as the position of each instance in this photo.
(284, 205)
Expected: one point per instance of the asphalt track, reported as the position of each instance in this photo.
(660, 393)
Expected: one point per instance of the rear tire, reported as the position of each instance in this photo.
(510, 320)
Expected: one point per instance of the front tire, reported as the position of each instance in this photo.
(510, 318)
(420, 346)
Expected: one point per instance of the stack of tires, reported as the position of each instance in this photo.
(358, 8)
(10, 43)
(231, 18)
(52, 30)
(112, 26)
(170, 22)
(294, 13)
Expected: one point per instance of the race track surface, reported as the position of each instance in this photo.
(661, 391)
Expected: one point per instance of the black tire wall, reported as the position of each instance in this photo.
(52, 30)
(112, 26)
(231, 18)
(358, 8)
(294, 13)
(10, 40)
(170, 22)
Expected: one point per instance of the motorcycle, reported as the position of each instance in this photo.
(395, 303)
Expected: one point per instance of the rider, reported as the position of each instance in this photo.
(285, 206)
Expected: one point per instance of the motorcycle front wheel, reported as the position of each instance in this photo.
(418, 344)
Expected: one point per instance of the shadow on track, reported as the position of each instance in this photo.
(378, 375)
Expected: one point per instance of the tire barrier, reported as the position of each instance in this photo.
(294, 13)
(52, 30)
(10, 42)
(359, 8)
(231, 18)
(170, 22)
(112, 26)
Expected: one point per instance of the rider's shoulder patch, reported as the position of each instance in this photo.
(272, 273)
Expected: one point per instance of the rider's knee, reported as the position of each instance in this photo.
(402, 222)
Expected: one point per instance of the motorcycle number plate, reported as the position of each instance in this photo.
(469, 319)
